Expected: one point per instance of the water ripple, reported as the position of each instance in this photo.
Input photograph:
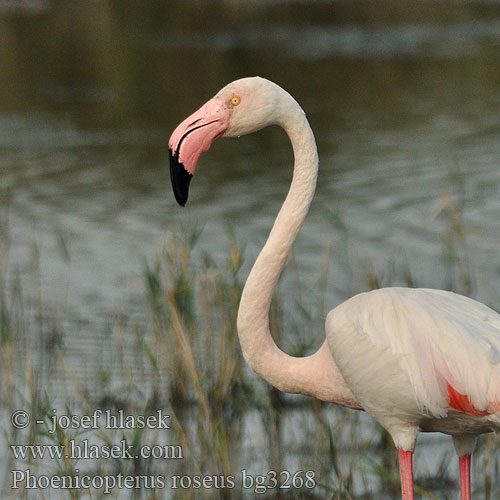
(402, 40)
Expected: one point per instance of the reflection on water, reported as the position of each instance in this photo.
(405, 105)
(311, 43)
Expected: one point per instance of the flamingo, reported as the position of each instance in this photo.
(416, 359)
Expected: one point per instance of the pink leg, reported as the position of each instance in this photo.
(465, 477)
(406, 471)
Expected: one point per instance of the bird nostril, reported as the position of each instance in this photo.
(194, 123)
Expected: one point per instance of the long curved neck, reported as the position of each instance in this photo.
(315, 375)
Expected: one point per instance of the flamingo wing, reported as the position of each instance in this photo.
(446, 346)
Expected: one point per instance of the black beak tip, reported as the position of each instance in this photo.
(180, 178)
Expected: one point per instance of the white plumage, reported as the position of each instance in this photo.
(400, 349)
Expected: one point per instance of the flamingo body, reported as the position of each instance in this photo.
(420, 359)
(416, 359)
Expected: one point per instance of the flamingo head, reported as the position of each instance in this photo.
(242, 107)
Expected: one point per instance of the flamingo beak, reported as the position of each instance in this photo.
(191, 139)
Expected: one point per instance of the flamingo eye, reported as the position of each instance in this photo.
(235, 101)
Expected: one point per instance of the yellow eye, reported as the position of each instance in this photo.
(235, 101)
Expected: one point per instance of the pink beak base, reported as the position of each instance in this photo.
(190, 140)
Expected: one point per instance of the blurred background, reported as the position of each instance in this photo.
(404, 99)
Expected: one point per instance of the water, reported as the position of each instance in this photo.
(404, 114)
(405, 106)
